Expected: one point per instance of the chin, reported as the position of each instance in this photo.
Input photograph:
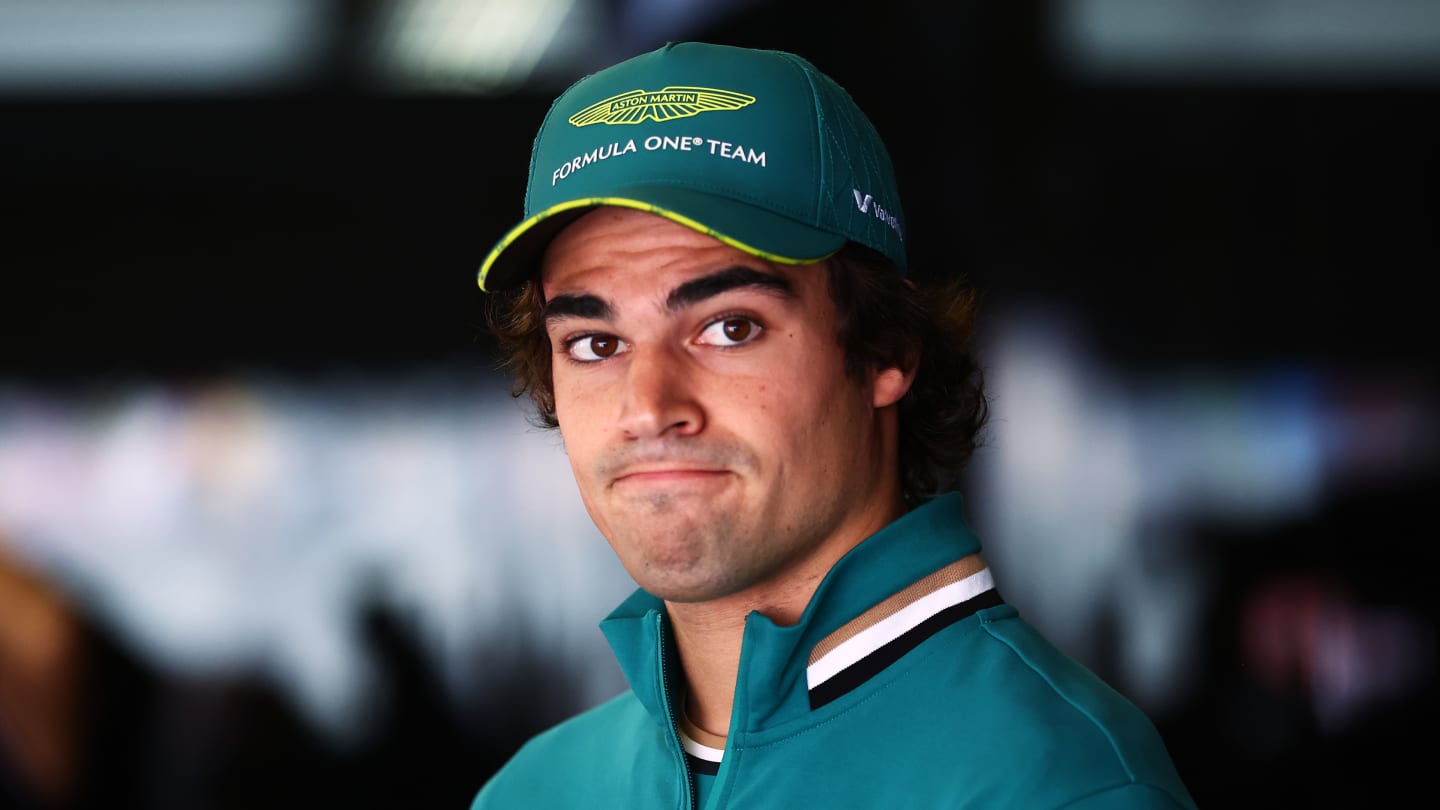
(686, 593)
(679, 581)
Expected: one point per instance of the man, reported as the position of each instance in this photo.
(767, 422)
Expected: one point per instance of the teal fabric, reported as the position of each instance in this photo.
(704, 787)
(755, 147)
(984, 714)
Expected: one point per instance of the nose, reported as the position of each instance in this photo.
(660, 396)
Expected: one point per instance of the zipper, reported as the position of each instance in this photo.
(670, 713)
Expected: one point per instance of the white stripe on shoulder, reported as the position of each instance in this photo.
(895, 625)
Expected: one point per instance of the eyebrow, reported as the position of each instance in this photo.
(731, 278)
(576, 306)
(691, 292)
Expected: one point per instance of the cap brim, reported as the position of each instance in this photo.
(757, 231)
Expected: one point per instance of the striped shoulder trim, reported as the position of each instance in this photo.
(878, 637)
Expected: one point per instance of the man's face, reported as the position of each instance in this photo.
(701, 392)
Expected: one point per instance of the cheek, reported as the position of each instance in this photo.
(571, 395)
(786, 410)
(576, 425)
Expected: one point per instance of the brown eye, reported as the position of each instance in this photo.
(737, 329)
(594, 348)
(603, 346)
(730, 332)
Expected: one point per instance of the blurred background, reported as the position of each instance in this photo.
(273, 532)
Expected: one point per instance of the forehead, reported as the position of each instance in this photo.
(615, 252)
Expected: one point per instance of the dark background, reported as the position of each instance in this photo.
(1227, 221)
(1198, 220)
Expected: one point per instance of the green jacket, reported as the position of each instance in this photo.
(906, 684)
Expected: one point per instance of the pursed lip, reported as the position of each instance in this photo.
(667, 474)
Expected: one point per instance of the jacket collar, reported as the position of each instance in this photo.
(771, 686)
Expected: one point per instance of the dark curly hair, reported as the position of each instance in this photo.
(884, 320)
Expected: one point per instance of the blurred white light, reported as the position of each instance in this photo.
(1288, 40)
(474, 45)
(138, 46)
(239, 528)
(1099, 477)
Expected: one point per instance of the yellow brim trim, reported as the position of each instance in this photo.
(626, 202)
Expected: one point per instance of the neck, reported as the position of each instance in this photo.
(709, 634)
(709, 642)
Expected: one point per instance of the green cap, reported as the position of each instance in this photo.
(757, 148)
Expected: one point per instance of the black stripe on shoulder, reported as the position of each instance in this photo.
(872, 664)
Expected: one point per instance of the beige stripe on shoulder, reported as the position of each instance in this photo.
(949, 575)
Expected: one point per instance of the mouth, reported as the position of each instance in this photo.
(669, 477)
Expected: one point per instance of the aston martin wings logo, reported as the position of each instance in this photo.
(638, 106)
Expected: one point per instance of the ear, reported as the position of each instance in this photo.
(890, 384)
